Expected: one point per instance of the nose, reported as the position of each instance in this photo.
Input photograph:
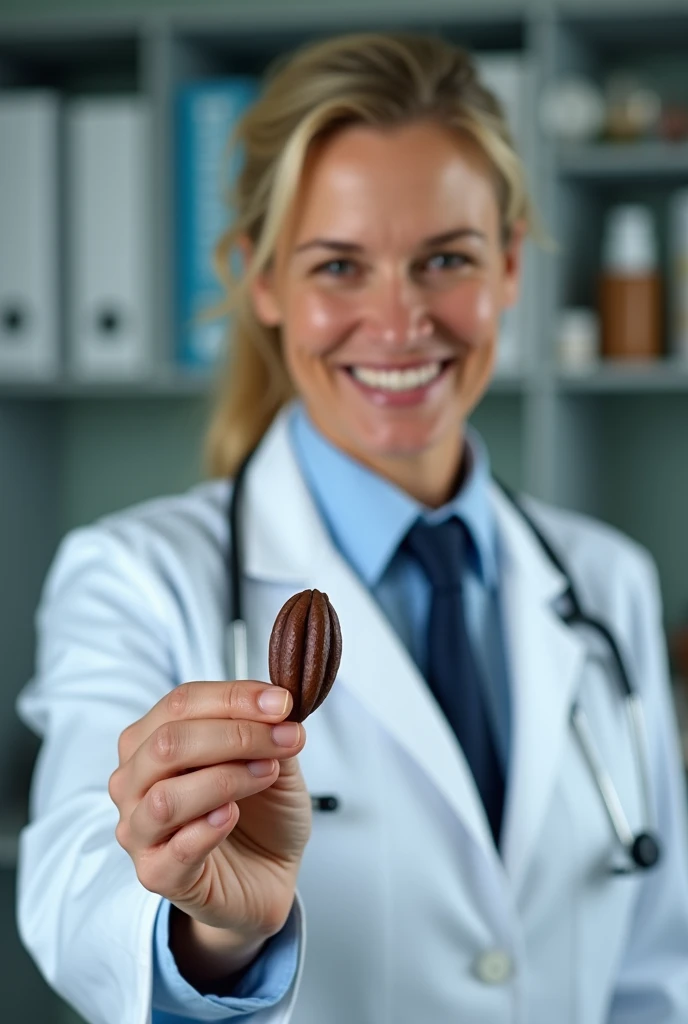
(396, 313)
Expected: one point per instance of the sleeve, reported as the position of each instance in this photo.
(262, 986)
(104, 658)
(652, 982)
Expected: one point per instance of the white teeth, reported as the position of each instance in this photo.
(397, 380)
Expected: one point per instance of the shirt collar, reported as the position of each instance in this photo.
(369, 527)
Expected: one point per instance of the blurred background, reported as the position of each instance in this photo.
(113, 166)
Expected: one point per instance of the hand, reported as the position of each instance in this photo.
(214, 812)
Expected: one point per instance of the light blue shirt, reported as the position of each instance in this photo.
(263, 985)
(367, 531)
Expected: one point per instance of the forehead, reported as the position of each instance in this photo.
(366, 181)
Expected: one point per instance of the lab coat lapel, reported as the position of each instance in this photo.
(285, 540)
(545, 659)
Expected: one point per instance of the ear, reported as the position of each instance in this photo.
(262, 288)
(513, 263)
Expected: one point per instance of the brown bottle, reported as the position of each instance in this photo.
(631, 314)
(630, 296)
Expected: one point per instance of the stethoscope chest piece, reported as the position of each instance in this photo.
(645, 851)
(642, 854)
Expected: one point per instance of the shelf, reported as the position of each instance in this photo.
(174, 385)
(631, 30)
(179, 385)
(608, 162)
(665, 376)
(103, 57)
(499, 23)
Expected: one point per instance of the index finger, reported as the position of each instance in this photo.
(239, 699)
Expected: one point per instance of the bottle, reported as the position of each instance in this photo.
(678, 231)
(630, 286)
(578, 339)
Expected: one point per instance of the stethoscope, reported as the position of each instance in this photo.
(641, 849)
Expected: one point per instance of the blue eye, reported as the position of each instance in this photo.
(331, 267)
(447, 261)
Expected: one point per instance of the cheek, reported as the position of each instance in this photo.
(316, 323)
(471, 314)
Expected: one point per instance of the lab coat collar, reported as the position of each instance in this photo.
(285, 541)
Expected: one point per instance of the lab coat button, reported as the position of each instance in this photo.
(493, 967)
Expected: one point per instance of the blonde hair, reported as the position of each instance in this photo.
(377, 79)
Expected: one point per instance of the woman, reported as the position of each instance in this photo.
(466, 873)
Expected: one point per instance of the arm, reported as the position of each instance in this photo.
(652, 982)
(104, 659)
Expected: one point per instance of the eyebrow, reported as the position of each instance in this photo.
(341, 246)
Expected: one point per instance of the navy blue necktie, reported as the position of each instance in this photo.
(452, 676)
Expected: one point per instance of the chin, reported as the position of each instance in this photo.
(397, 441)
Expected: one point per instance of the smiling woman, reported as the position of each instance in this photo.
(381, 213)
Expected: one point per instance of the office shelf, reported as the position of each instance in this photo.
(663, 377)
(167, 384)
(625, 162)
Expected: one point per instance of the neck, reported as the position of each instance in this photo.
(432, 477)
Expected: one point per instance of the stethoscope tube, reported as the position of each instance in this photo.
(237, 653)
(642, 848)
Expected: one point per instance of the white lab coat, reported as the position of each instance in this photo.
(409, 909)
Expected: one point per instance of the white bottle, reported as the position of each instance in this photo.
(578, 339)
(678, 274)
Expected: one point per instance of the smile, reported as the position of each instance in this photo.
(397, 380)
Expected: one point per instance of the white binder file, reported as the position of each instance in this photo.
(108, 223)
(29, 314)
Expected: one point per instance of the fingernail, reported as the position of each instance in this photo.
(219, 817)
(261, 768)
(286, 734)
(273, 700)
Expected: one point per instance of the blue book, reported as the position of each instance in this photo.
(206, 167)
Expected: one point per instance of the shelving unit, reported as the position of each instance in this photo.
(665, 377)
(610, 442)
(662, 162)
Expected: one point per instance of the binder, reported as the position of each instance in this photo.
(206, 168)
(108, 235)
(29, 182)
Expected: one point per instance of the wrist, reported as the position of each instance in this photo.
(210, 958)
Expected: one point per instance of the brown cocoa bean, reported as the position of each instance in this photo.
(305, 651)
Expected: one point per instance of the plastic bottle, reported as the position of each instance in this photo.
(630, 286)
(578, 340)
